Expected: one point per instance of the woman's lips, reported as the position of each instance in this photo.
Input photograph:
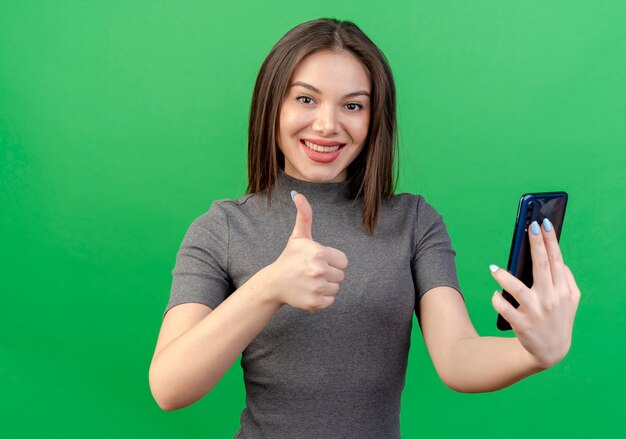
(322, 157)
(324, 142)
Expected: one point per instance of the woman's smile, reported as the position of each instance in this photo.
(321, 154)
(314, 142)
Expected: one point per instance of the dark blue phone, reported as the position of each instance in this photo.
(532, 207)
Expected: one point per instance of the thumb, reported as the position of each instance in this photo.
(304, 217)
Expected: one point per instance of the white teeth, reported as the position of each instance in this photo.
(321, 148)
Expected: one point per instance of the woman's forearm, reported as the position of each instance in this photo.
(485, 364)
(191, 365)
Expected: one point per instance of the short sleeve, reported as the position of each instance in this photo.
(201, 271)
(433, 262)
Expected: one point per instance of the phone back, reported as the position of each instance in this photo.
(532, 207)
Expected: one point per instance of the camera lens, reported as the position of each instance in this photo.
(529, 212)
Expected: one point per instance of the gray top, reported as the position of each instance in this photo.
(338, 372)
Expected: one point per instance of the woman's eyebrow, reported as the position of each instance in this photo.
(318, 91)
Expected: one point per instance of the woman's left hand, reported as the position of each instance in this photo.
(544, 320)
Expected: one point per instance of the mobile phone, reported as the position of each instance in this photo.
(532, 207)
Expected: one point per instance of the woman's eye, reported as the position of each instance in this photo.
(354, 106)
(305, 99)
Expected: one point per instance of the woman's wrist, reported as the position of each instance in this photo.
(535, 364)
(267, 285)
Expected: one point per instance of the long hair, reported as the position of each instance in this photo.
(371, 175)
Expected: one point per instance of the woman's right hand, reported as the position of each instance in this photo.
(307, 274)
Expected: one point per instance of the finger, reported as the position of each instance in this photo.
(505, 309)
(331, 289)
(554, 254)
(335, 275)
(322, 302)
(513, 285)
(541, 264)
(571, 283)
(304, 217)
(336, 258)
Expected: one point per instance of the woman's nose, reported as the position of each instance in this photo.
(326, 120)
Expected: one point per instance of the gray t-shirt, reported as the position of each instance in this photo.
(338, 372)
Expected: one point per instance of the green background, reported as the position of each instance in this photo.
(120, 122)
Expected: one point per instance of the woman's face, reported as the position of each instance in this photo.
(324, 117)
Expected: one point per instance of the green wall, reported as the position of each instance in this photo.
(120, 122)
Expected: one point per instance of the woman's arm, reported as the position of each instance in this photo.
(543, 325)
(197, 345)
(465, 361)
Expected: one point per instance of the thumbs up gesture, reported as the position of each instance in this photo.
(308, 273)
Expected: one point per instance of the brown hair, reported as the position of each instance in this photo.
(371, 175)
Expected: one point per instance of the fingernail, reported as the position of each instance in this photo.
(495, 292)
(493, 268)
(547, 225)
(534, 227)
(293, 194)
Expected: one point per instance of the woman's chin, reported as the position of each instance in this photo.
(318, 175)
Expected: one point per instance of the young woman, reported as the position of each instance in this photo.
(316, 272)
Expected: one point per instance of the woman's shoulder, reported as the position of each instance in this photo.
(219, 210)
(414, 207)
(230, 203)
(406, 200)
